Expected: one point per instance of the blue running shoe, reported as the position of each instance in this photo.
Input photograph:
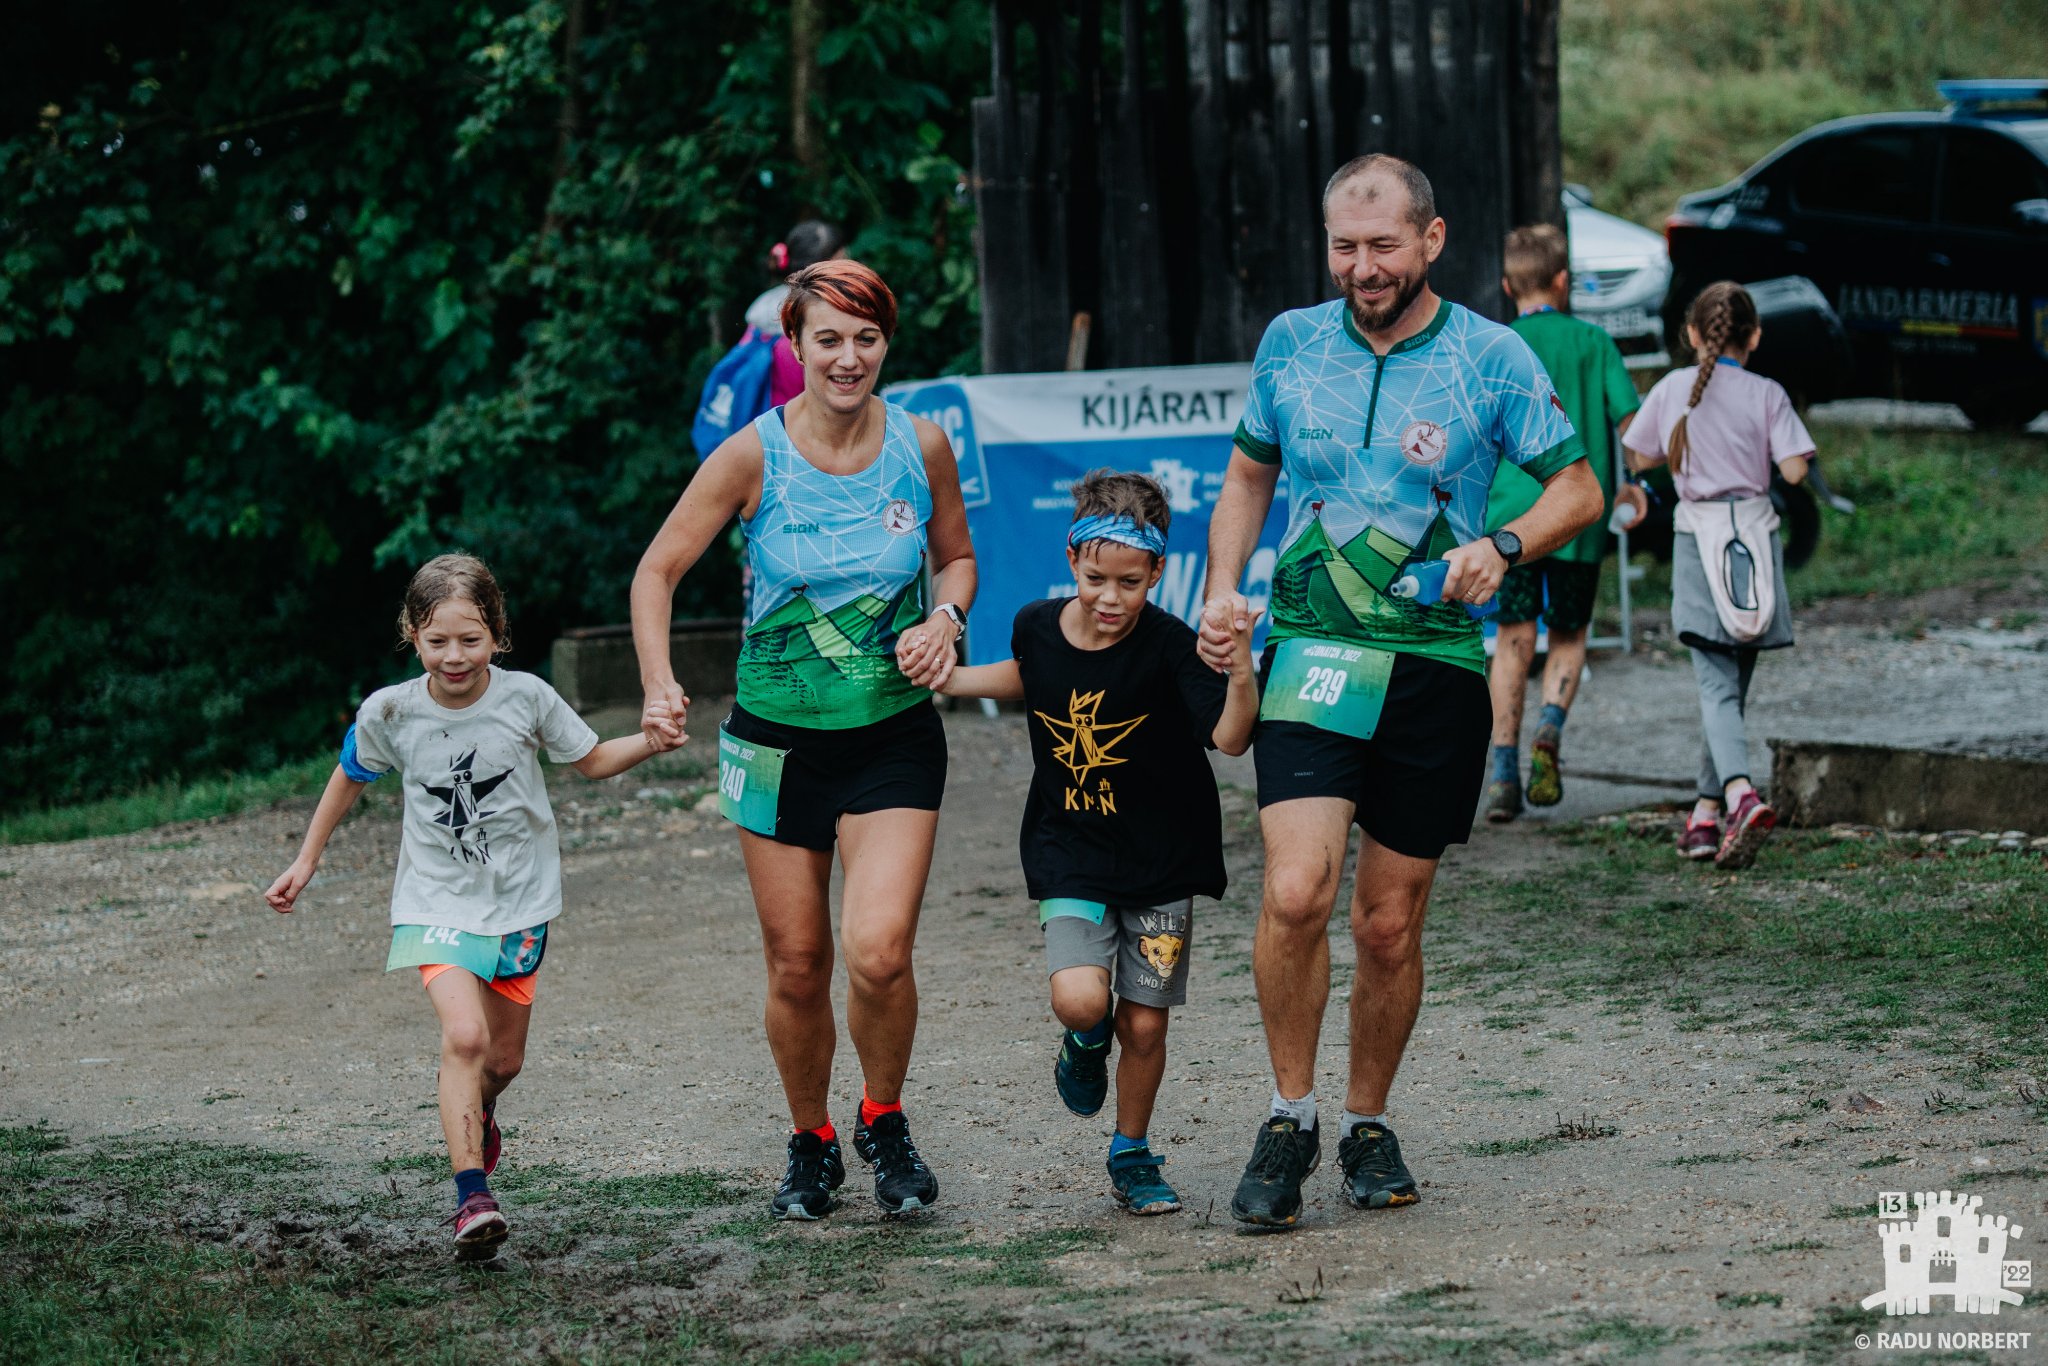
(1135, 1181)
(1081, 1073)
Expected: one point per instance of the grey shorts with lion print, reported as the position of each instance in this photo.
(1144, 948)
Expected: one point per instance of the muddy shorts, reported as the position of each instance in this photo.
(1559, 591)
(508, 964)
(1145, 949)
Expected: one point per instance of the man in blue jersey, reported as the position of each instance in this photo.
(1389, 411)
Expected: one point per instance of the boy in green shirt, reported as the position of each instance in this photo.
(1594, 386)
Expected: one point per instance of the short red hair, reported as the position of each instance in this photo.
(845, 285)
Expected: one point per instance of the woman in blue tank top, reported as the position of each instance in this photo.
(844, 500)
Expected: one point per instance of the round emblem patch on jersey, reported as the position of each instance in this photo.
(1424, 443)
(899, 518)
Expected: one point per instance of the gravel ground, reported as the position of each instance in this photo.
(150, 991)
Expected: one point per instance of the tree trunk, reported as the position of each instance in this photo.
(569, 117)
(806, 22)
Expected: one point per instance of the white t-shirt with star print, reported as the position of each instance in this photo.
(479, 851)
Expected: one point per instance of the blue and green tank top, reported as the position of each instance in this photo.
(1388, 461)
(836, 563)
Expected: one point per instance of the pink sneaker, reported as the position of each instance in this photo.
(494, 1142)
(1749, 825)
(479, 1228)
(1700, 840)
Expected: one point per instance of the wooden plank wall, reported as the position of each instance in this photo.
(1159, 164)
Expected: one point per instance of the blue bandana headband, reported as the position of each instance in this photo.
(1122, 530)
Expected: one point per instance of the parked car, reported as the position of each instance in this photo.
(1925, 239)
(1619, 274)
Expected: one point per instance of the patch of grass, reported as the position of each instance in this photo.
(1628, 1337)
(1231, 1264)
(1888, 1160)
(1748, 1298)
(163, 803)
(414, 1162)
(1431, 1297)
(2009, 1174)
(1021, 1262)
(1799, 1245)
(1867, 1210)
(1908, 943)
(669, 1190)
(1513, 1147)
(1705, 1159)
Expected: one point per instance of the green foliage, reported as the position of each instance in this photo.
(292, 297)
(1661, 97)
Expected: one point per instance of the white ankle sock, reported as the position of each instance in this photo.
(1302, 1112)
(1352, 1119)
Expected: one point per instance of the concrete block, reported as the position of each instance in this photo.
(1817, 782)
(595, 667)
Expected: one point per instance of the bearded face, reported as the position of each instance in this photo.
(1382, 297)
(1379, 257)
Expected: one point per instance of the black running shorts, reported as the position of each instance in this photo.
(1416, 783)
(898, 761)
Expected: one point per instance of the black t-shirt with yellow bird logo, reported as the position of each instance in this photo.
(1123, 806)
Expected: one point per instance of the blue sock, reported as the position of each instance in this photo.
(1096, 1037)
(1553, 715)
(1507, 763)
(469, 1183)
(1119, 1144)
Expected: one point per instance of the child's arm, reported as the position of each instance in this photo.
(1001, 682)
(1233, 733)
(335, 803)
(610, 758)
(1794, 468)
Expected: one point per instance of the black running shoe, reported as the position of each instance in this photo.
(815, 1170)
(1282, 1158)
(902, 1181)
(1374, 1175)
(1081, 1074)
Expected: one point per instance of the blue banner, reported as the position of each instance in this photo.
(1023, 440)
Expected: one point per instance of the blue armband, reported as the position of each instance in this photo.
(352, 763)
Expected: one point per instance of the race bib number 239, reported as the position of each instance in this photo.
(1328, 685)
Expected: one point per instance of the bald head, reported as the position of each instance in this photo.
(1384, 181)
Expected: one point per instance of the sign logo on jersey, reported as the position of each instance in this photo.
(899, 518)
(1424, 443)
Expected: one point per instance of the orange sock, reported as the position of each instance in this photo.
(870, 1110)
(825, 1132)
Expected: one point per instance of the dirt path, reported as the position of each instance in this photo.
(150, 992)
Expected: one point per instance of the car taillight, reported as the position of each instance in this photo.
(1676, 220)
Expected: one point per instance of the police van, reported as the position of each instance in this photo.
(1899, 255)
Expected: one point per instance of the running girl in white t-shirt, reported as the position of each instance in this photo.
(479, 865)
(1723, 430)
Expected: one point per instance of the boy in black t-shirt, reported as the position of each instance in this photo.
(1122, 828)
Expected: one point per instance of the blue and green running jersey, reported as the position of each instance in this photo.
(1388, 460)
(836, 565)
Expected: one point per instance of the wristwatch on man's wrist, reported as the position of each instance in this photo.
(951, 612)
(1508, 544)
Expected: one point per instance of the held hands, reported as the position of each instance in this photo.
(663, 718)
(926, 653)
(1226, 632)
(284, 892)
(1475, 572)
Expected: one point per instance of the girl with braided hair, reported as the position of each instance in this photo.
(1722, 429)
